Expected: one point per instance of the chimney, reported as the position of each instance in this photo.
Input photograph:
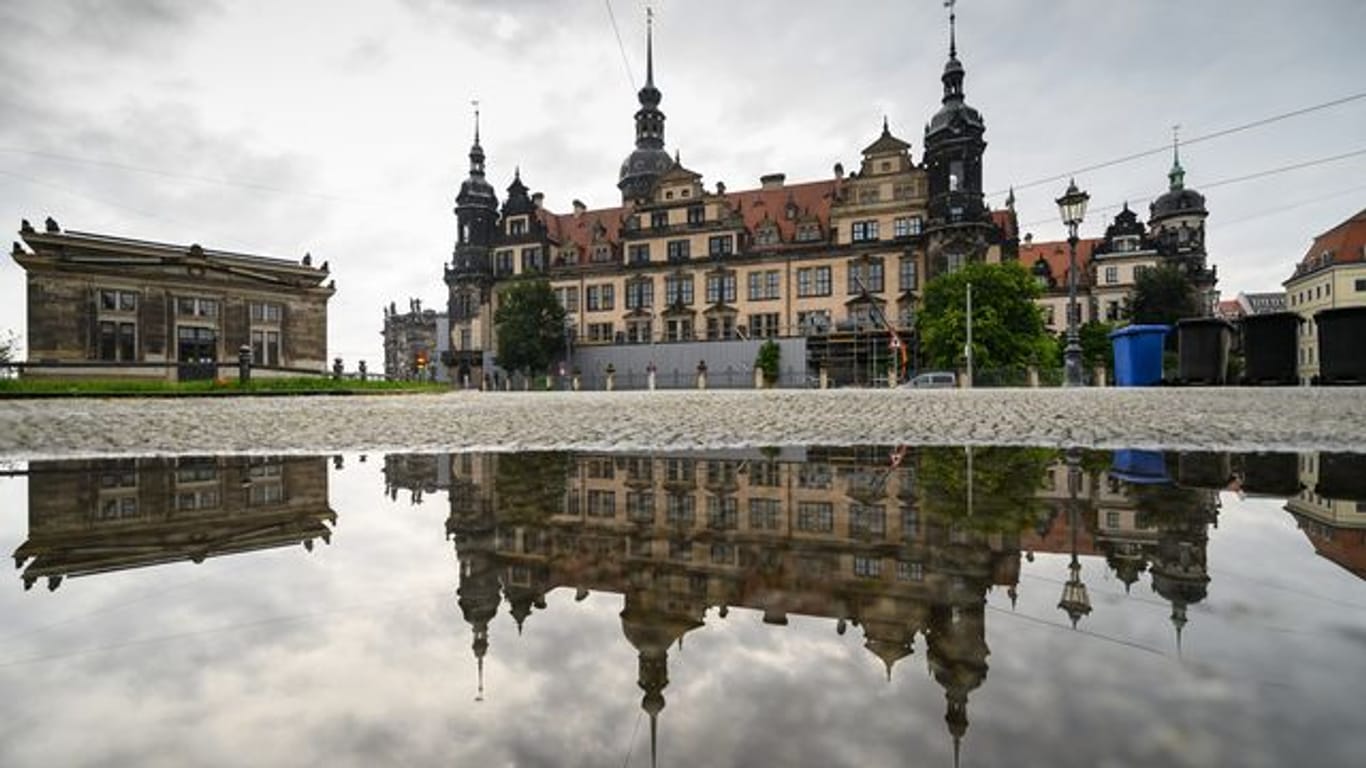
(772, 180)
(537, 199)
(579, 208)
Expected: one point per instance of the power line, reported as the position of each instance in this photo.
(625, 62)
(1196, 140)
(1236, 179)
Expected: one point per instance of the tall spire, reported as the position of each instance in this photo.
(953, 41)
(1177, 175)
(476, 151)
(649, 47)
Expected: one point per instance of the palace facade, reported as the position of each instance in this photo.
(834, 260)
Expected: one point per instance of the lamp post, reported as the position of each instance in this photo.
(1074, 600)
(1072, 207)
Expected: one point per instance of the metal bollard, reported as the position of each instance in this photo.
(243, 364)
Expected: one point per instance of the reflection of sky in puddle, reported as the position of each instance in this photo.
(358, 652)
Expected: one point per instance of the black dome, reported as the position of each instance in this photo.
(1177, 201)
(641, 168)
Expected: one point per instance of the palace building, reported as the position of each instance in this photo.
(106, 306)
(840, 262)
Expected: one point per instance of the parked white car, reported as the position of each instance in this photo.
(933, 380)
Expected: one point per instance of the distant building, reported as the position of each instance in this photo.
(1108, 267)
(103, 306)
(1331, 275)
(416, 344)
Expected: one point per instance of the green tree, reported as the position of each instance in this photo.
(1162, 295)
(1007, 326)
(768, 360)
(530, 326)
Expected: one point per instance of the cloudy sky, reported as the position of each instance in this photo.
(285, 128)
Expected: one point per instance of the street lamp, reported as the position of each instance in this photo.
(1072, 207)
(1074, 600)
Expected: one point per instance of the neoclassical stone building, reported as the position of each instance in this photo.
(841, 261)
(114, 307)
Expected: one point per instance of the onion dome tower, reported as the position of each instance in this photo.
(470, 275)
(649, 160)
(959, 225)
(1176, 220)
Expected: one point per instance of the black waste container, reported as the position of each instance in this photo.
(1342, 345)
(1202, 345)
(1203, 469)
(1342, 476)
(1269, 347)
(1271, 474)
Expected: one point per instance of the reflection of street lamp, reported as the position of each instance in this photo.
(1074, 598)
(1072, 207)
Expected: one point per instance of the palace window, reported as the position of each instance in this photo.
(678, 290)
(867, 567)
(639, 331)
(864, 231)
(265, 333)
(601, 254)
(763, 325)
(600, 297)
(517, 226)
(765, 474)
(602, 504)
(721, 288)
(1112, 274)
(568, 298)
(814, 476)
(678, 250)
(659, 219)
(763, 514)
(909, 279)
(696, 214)
(870, 273)
(813, 281)
(723, 513)
(678, 329)
(599, 332)
(807, 233)
(953, 261)
(720, 327)
(910, 571)
(189, 306)
(870, 195)
(640, 294)
(867, 520)
(640, 507)
(763, 285)
(767, 235)
(531, 259)
(815, 517)
(117, 317)
(638, 253)
(681, 509)
(720, 245)
(906, 226)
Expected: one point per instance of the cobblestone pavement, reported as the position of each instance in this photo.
(1224, 419)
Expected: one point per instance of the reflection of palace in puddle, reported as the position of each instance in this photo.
(96, 516)
(1330, 507)
(897, 544)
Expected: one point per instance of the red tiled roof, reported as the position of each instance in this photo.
(1229, 309)
(1006, 221)
(1346, 242)
(811, 198)
(1055, 253)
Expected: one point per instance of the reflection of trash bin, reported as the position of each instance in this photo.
(1138, 355)
(1342, 355)
(1139, 467)
(1202, 345)
(1203, 469)
(1271, 474)
(1269, 344)
(1342, 476)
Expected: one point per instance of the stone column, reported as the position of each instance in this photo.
(825, 378)
(1032, 376)
(611, 378)
(1100, 375)
(892, 377)
(702, 374)
(758, 378)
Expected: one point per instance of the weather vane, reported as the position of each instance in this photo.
(475, 104)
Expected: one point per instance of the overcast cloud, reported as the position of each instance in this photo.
(281, 128)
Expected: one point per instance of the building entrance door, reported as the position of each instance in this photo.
(197, 352)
